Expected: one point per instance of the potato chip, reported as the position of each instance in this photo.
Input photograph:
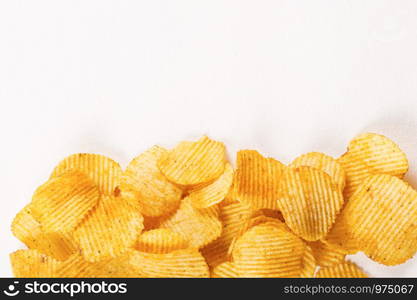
(55, 244)
(103, 171)
(233, 218)
(268, 250)
(215, 192)
(326, 255)
(61, 203)
(160, 241)
(198, 226)
(231, 196)
(343, 270)
(257, 179)
(308, 267)
(382, 218)
(324, 163)
(369, 154)
(224, 270)
(143, 181)
(109, 230)
(193, 163)
(187, 263)
(309, 202)
(32, 264)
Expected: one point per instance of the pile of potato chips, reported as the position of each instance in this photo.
(185, 212)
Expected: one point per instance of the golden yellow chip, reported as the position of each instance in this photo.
(257, 179)
(369, 154)
(215, 192)
(103, 171)
(198, 226)
(343, 270)
(233, 217)
(32, 264)
(309, 202)
(55, 244)
(381, 217)
(309, 264)
(224, 270)
(324, 163)
(61, 203)
(187, 263)
(193, 163)
(160, 241)
(142, 180)
(268, 250)
(326, 255)
(109, 230)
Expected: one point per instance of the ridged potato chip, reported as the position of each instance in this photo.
(103, 171)
(268, 250)
(224, 270)
(368, 154)
(32, 264)
(215, 192)
(160, 241)
(324, 163)
(382, 218)
(309, 202)
(198, 226)
(142, 180)
(75, 267)
(61, 203)
(257, 179)
(308, 267)
(326, 255)
(193, 163)
(233, 218)
(55, 244)
(187, 263)
(343, 270)
(109, 230)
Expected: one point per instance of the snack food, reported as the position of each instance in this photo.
(185, 212)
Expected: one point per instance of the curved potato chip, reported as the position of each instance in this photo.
(55, 244)
(198, 226)
(257, 179)
(193, 163)
(381, 217)
(324, 163)
(143, 181)
(326, 255)
(61, 203)
(233, 217)
(215, 192)
(343, 270)
(109, 230)
(32, 264)
(186, 263)
(268, 250)
(309, 202)
(368, 154)
(224, 270)
(103, 171)
(309, 264)
(160, 241)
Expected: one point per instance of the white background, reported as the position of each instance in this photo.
(116, 77)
